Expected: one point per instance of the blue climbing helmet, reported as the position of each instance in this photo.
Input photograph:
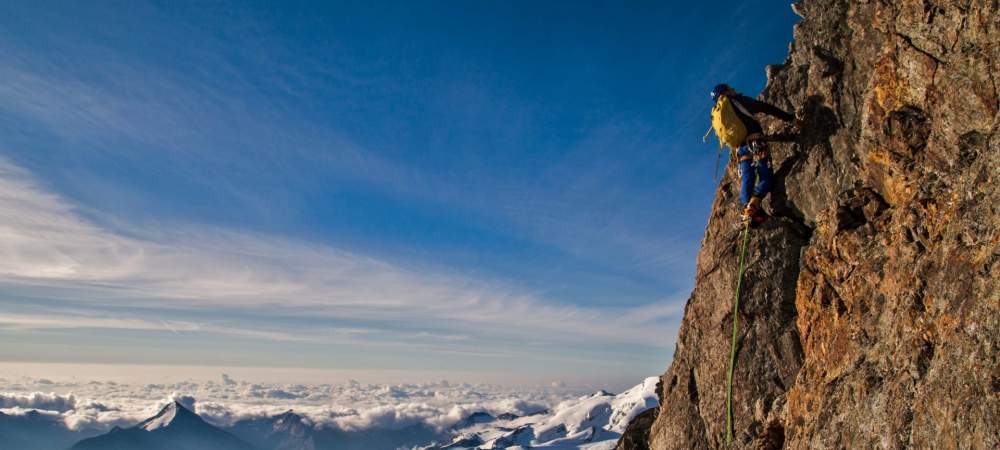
(718, 90)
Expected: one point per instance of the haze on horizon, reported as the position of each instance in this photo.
(502, 192)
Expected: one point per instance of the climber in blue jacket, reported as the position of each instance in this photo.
(756, 173)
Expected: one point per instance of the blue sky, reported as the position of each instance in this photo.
(503, 190)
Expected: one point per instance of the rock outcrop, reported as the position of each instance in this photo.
(636, 435)
(870, 316)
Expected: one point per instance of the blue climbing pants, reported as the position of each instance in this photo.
(750, 171)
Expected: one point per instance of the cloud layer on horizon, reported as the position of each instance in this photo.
(349, 406)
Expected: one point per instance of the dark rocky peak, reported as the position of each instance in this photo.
(480, 416)
(174, 427)
(507, 416)
(473, 419)
(288, 418)
(290, 422)
(464, 441)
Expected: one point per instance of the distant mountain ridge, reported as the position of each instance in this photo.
(286, 431)
(37, 431)
(591, 422)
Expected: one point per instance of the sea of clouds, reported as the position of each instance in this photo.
(349, 406)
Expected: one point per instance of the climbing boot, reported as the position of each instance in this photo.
(754, 213)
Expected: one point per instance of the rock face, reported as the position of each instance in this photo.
(636, 435)
(870, 316)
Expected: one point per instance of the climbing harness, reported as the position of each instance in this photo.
(732, 352)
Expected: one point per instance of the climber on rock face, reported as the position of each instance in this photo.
(733, 121)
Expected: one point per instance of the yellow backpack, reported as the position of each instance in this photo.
(726, 124)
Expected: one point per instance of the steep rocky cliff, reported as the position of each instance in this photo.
(870, 315)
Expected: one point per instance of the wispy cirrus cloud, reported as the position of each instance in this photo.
(333, 174)
(51, 249)
(200, 127)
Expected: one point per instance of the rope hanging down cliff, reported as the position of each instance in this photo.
(732, 352)
(734, 123)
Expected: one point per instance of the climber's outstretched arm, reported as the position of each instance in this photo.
(758, 107)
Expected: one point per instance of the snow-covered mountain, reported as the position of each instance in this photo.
(175, 427)
(594, 421)
(590, 422)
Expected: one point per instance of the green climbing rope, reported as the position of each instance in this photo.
(732, 352)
